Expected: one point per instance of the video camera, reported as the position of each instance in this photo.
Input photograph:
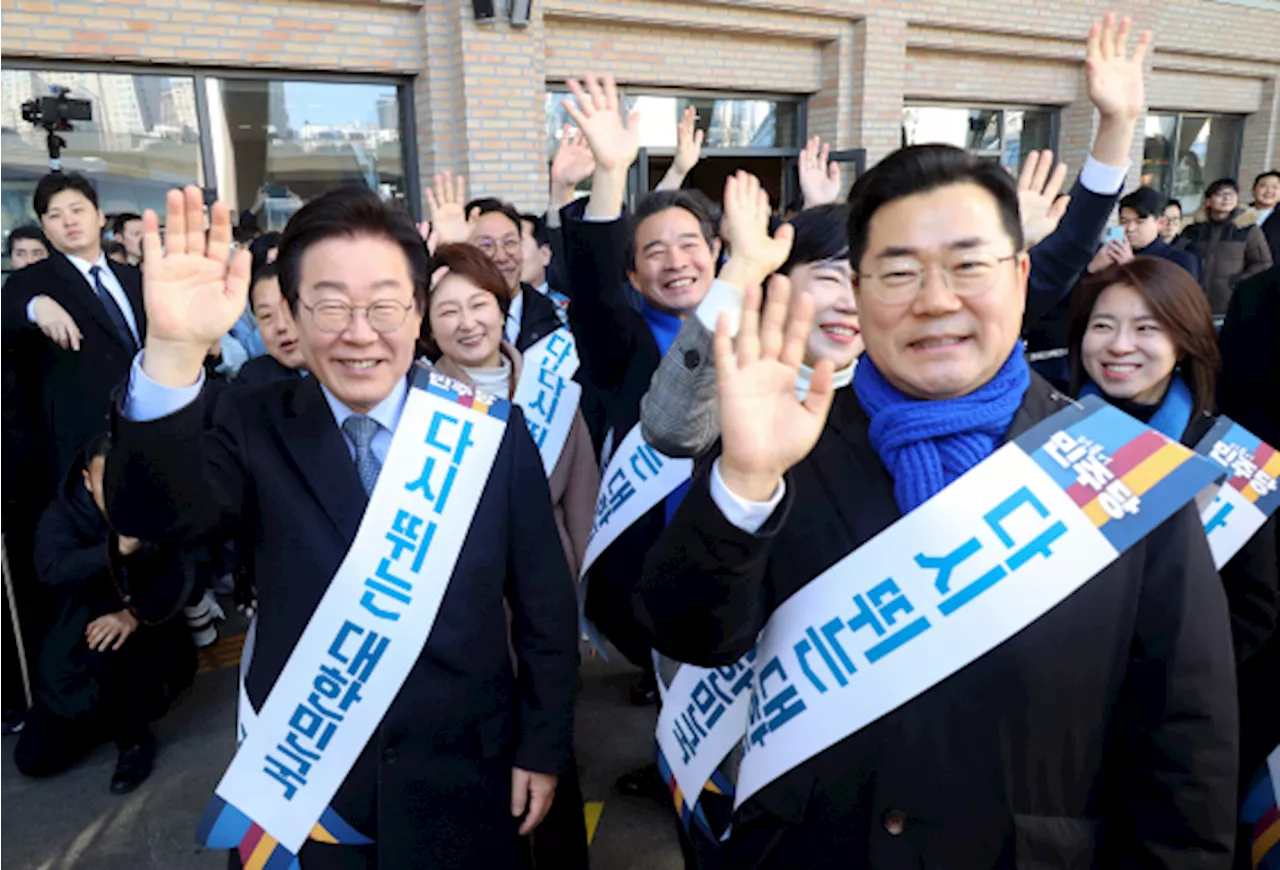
(55, 113)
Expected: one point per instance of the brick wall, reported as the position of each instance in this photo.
(478, 90)
(356, 36)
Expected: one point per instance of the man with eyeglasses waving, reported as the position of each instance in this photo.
(410, 693)
(1095, 730)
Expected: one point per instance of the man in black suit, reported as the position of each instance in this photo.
(71, 324)
(483, 724)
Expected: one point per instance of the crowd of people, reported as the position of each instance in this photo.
(652, 429)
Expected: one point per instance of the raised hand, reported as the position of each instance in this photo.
(753, 253)
(688, 142)
(819, 177)
(598, 113)
(574, 162)
(1038, 201)
(1114, 76)
(446, 206)
(193, 288)
(765, 429)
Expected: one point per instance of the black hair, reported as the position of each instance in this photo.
(1173, 200)
(349, 212)
(654, 202)
(1221, 184)
(920, 169)
(1268, 174)
(489, 204)
(1146, 202)
(29, 231)
(261, 246)
(98, 446)
(541, 235)
(263, 273)
(820, 236)
(56, 182)
(118, 222)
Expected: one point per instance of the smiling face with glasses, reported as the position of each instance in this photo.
(940, 291)
(356, 317)
(499, 240)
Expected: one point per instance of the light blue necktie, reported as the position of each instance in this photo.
(361, 429)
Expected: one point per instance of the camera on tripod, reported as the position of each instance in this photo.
(55, 113)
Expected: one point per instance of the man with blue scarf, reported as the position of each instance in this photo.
(1102, 734)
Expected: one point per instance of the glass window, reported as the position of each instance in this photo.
(143, 139)
(1007, 135)
(278, 144)
(1184, 153)
(1157, 151)
(726, 123)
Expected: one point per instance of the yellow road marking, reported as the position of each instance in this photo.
(592, 811)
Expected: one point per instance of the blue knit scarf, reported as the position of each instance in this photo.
(926, 444)
(1171, 417)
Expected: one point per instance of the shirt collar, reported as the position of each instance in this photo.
(84, 265)
(386, 413)
(544, 288)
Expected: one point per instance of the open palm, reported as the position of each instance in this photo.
(574, 161)
(446, 207)
(615, 142)
(194, 290)
(1114, 76)
(765, 428)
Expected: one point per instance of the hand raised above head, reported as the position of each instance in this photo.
(765, 428)
(1038, 201)
(574, 162)
(614, 141)
(688, 142)
(820, 179)
(753, 253)
(446, 209)
(194, 289)
(1115, 77)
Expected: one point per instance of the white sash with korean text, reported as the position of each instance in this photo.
(548, 395)
(956, 577)
(636, 480)
(376, 615)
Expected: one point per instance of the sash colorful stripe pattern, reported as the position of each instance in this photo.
(690, 811)
(1261, 809)
(447, 388)
(225, 827)
(1255, 477)
(1107, 463)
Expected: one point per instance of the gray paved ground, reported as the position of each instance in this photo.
(72, 821)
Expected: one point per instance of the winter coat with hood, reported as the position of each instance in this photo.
(1230, 251)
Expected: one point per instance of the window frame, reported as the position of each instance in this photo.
(1055, 121)
(201, 74)
(1179, 116)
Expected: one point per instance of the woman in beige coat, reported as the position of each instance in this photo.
(466, 310)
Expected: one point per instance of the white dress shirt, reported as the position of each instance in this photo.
(514, 314)
(114, 290)
(147, 400)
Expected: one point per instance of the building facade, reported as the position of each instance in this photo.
(268, 103)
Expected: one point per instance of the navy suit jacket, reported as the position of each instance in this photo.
(1185, 259)
(275, 473)
(63, 396)
(1057, 263)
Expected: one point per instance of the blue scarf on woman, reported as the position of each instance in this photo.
(1172, 414)
(926, 444)
(664, 327)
